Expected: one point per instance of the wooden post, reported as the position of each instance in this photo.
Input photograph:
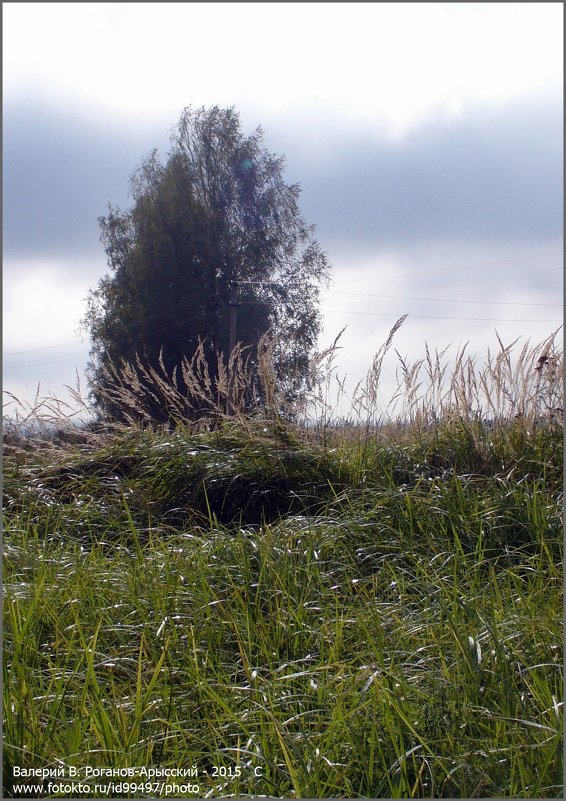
(234, 304)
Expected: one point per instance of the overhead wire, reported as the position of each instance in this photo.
(46, 361)
(476, 266)
(444, 300)
(441, 317)
(329, 311)
(36, 350)
(177, 307)
(337, 292)
(200, 292)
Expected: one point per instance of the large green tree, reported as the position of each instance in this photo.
(217, 212)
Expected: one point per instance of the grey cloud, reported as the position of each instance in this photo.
(493, 175)
(60, 172)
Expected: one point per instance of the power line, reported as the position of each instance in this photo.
(445, 300)
(440, 317)
(481, 265)
(329, 311)
(36, 350)
(490, 278)
(459, 283)
(200, 292)
(336, 292)
(176, 307)
(46, 361)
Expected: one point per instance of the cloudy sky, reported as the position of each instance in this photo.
(426, 137)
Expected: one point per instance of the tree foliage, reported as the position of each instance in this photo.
(218, 211)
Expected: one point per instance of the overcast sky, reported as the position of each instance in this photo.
(426, 137)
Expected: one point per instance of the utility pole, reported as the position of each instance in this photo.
(234, 304)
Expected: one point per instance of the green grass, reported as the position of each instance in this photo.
(372, 617)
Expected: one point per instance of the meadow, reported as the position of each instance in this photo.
(365, 607)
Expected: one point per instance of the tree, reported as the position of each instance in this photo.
(218, 212)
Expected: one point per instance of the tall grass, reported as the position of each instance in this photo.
(371, 609)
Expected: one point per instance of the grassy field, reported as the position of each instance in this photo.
(348, 612)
